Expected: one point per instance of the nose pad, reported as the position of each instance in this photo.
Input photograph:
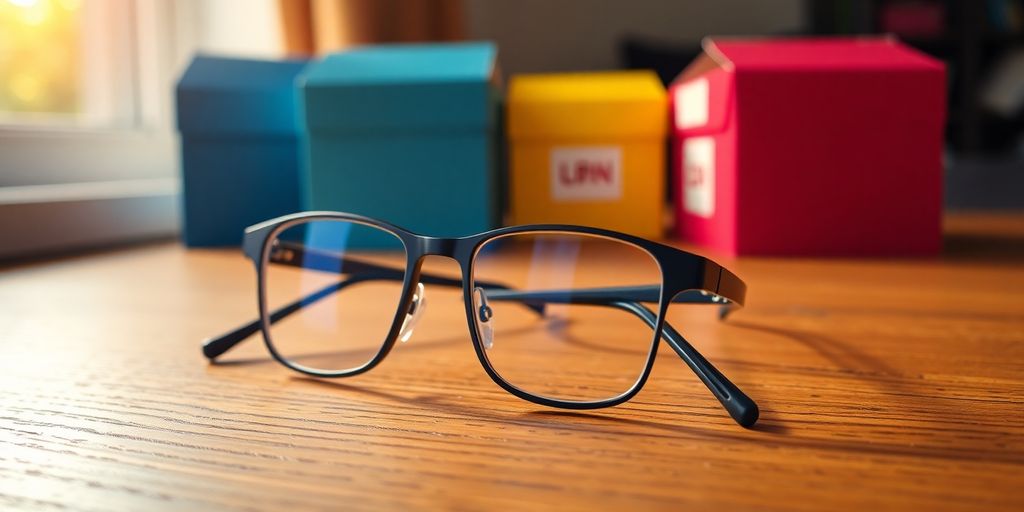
(484, 314)
(412, 317)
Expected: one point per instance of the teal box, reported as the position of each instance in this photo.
(406, 134)
(240, 154)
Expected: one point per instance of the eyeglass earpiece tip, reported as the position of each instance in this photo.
(744, 411)
(210, 351)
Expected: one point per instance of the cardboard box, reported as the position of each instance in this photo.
(588, 148)
(810, 147)
(239, 146)
(406, 134)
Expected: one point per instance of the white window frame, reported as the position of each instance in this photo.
(71, 187)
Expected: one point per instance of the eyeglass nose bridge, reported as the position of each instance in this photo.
(434, 246)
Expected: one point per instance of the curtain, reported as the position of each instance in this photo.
(318, 26)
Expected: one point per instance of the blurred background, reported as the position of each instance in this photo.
(88, 149)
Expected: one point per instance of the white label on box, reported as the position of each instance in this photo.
(692, 104)
(586, 173)
(699, 176)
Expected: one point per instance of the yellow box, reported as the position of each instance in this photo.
(588, 148)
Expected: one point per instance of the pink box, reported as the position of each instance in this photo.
(810, 147)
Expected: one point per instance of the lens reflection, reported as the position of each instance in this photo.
(541, 310)
(340, 283)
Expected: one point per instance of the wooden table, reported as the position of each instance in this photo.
(882, 385)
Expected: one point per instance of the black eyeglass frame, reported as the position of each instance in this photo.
(681, 272)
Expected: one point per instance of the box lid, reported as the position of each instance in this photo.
(701, 96)
(827, 54)
(402, 87)
(587, 105)
(230, 95)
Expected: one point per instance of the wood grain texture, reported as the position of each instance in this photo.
(891, 385)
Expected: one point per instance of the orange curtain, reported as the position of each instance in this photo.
(318, 26)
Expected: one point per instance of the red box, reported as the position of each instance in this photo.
(810, 147)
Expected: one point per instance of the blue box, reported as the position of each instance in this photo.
(406, 134)
(239, 146)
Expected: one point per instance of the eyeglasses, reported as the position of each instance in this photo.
(562, 316)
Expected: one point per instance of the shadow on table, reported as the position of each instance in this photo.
(891, 382)
(771, 432)
(538, 419)
(771, 429)
(838, 353)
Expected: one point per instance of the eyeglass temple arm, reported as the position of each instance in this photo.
(536, 300)
(217, 345)
(601, 296)
(741, 407)
(360, 271)
(297, 255)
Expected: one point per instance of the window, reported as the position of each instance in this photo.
(40, 61)
(87, 151)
